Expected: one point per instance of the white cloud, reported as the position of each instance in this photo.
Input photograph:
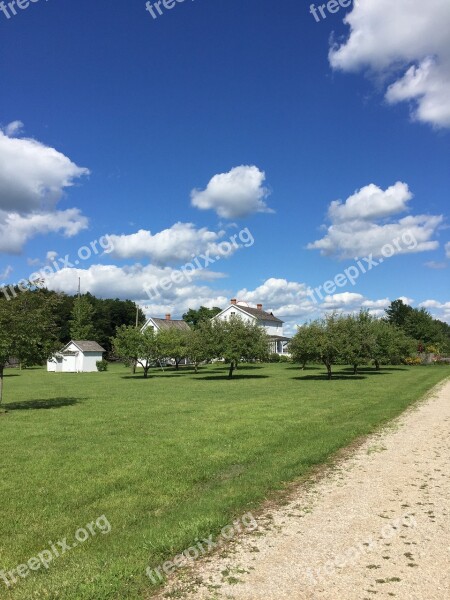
(51, 255)
(447, 249)
(360, 226)
(432, 264)
(439, 310)
(235, 194)
(13, 128)
(6, 273)
(179, 243)
(407, 40)
(16, 230)
(33, 178)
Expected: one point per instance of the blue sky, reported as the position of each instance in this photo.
(117, 117)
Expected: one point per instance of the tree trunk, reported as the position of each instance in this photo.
(196, 367)
(355, 369)
(377, 365)
(1, 383)
(146, 370)
(230, 372)
(303, 365)
(329, 373)
(177, 363)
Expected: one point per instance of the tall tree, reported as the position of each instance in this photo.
(82, 325)
(397, 312)
(28, 331)
(200, 344)
(195, 317)
(359, 339)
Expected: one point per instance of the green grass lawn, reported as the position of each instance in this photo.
(166, 460)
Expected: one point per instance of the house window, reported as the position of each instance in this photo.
(233, 314)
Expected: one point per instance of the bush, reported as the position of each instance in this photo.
(412, 361)
(284, 359)
(102, 365)
(274, 358)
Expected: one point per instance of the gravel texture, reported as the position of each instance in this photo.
(375, 526)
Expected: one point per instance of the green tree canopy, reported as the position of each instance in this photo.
(195, 317)
(82, 320)
(134, 346)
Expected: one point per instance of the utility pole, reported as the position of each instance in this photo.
(79, 288)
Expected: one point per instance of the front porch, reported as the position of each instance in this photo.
(278, 344)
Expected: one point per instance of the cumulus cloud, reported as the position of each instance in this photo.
(360, 226)
(235, 194)
(439, 310)
(407, 41)
(16, 229)
(33, 178)
(179, 244)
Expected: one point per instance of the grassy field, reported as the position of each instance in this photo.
(166, 460)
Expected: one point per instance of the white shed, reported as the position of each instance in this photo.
(76, 357)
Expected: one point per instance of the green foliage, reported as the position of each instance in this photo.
(173, 343)
(136, 347)
(236, 340)
(27, 329)
(81, 325)
(194, 317)
(200, 343)
(102, 365)
(274, 358)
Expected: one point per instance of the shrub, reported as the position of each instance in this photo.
(284, 359)
(102, 365)
(274, 358)
(412, 361)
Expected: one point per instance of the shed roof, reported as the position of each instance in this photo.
(87, 346)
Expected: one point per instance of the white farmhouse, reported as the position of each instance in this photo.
(76, 357)
(272, 325)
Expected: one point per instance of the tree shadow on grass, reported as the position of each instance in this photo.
(324, 377)
(224, 377)
(42, 404)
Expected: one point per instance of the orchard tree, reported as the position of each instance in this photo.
(81, 325)
(27, 329)
(302, 346)
(359, 338)
(236, 340)
(173, 343)
(200, 344)
(135, 347)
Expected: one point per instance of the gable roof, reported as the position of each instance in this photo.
(166, 324)
(86, 346)
(261, 315)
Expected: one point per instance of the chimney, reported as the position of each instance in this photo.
(259, 306)
(168, 317)
(233, 301)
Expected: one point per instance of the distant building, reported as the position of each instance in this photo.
(76, 357)
(164, 324)
(272, 324)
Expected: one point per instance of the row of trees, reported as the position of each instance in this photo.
(350, 339)
(233, 340)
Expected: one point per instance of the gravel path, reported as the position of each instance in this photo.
(375, 527)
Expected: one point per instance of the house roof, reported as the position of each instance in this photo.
(86, 346)
(279, 338)
(259, 314)
(172, 324)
